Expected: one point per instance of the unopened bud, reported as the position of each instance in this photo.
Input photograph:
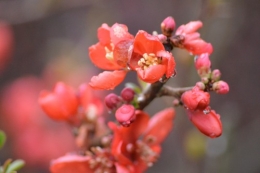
(202, 63)
(125, 115)
(128, 94)
(167, 26)
(112, 101)
(200, 85)
(216, 74)
(221, 87)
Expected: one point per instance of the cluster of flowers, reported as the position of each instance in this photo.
(135, 143)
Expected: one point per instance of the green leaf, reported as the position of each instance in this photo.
(2, 138)
(15, 166)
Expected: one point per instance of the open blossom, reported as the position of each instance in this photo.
(149, 58)
(113, 41)
(208, 123)
(195, 99)
(61, 103)
(191, 39)
(138, 146)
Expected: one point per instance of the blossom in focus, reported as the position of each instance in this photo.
(60, 104)
(191, 40)
(149, 58)
(110, 53)
(208, 123)
(195, 99)
(138, 146)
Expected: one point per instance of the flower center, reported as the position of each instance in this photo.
(109, 51)
(148, 60)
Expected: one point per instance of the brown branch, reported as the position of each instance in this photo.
(174, 92)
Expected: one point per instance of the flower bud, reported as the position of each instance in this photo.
(216, 74)
(208, 124)
(221, 87)
(128, 94)
(125, 115)
(200, 85)
(167, 26)
(195, 99)
(112, 101)
(202, 63)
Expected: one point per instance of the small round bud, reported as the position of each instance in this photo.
(200, 85)
(216, 74)
(112, 101)
(128, 94)
(125, 115)
(221, 87)
(167, 26)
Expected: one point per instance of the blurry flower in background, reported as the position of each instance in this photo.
(6, 44)
(35, 138)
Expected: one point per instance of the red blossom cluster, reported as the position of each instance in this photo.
(133, 143)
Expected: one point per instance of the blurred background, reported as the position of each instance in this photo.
(44, 41)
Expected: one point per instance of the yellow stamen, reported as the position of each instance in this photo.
(148, 60)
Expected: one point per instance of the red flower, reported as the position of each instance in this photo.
(125, 115)
(192, 41)
(133, 154)
(61, 104)
(149, 58)
(101, 54)
(71, 163)
(195, 99)
(208, 123)
(111, 53)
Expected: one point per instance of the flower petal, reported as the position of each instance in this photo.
(119, 32)
(151, 74)
(104, 34)
(97, 55)
(146, 43)
(71, 163)
(121, 52)
(160, 126)
(169, 61)
(107, 80)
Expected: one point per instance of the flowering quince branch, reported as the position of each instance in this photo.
(133, 143)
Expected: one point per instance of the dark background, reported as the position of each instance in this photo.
(46, 29)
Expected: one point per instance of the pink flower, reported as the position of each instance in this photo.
(192, 41)
(221, 87)
(61, 104)
(195, 99)
(137, 146)
(207, 123)
(149, 58)
(112, 101)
